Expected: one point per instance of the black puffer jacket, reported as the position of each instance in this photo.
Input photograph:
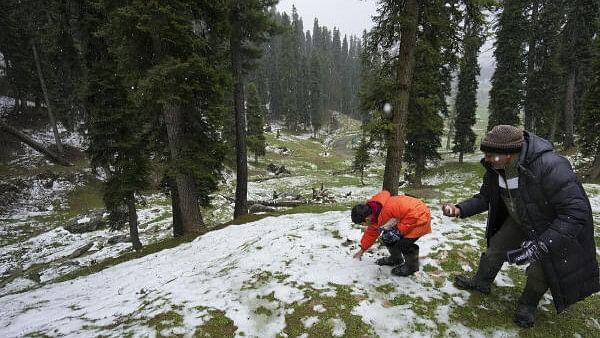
(556, 210)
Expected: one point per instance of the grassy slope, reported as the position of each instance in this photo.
(447, 182)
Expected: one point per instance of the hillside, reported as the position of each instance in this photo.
(287, 273)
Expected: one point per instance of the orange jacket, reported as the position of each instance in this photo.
(414, 217)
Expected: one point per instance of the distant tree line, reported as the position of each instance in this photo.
(174, 90)
(544, 81)
(305, 74)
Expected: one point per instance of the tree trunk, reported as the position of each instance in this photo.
(461, 156)
(419, 169)
(186, 186)
(594, 172)
(175, 208)
(241, 187)
(568, 140)
(555, 118)
(530, 110)
(59, 146)
(406, 65)
(451, 123)
(133, 222)
(35, 145)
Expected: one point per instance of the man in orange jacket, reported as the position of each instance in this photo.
(401, 221)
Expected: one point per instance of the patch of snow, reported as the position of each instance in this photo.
(319, 308)
(339, 327)
(309, 321)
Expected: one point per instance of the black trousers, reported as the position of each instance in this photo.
(509, 237)
(402, 247)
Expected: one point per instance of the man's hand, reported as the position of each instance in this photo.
(450, 210)
(529, 252)
(358, 254)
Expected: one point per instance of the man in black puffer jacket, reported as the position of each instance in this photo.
(538, 214)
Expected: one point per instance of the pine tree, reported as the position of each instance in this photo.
(182, 78)
(466, 98)
(506, 95)
(26, 26)
(393, 17)
(335, 85)
(116, 143)
(345, 74)
(582, 16)
(435, 60)
(289, 75)
(589, 124)
(362, 159)
(544, 89)
(315, 96)
(256, 137)
(251, 23)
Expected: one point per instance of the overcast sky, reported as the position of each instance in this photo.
(350, 16)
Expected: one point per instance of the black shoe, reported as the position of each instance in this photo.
(411, 263)
(389, 260)
(466, 283)
(525, 315)
(405, 270)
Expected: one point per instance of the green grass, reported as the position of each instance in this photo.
(165, 320)
(302, 152)
(84, 199)
(218, 325)
(338, 307)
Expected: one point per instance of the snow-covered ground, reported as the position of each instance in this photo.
(258, 275)
(286, 276)
(228, 270)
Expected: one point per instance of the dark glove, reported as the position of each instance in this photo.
(529, 252)
(389, 236)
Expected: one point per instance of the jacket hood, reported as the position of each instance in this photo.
(533, 148)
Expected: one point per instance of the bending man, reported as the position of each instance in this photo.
(538, 214)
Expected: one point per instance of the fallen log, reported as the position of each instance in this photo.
(81, 250)
(278, 203)
(52, 156)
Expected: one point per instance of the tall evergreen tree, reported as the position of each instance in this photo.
(435, 61)
(544, 89)
(315, 96)
(506, 95)
(582, 17)
(116, 141)
(362, 159)
(250, 22)
(289, 75)
(394, 21)
(466, 97)
(256, 137)
(589, 124)
(182, 76)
